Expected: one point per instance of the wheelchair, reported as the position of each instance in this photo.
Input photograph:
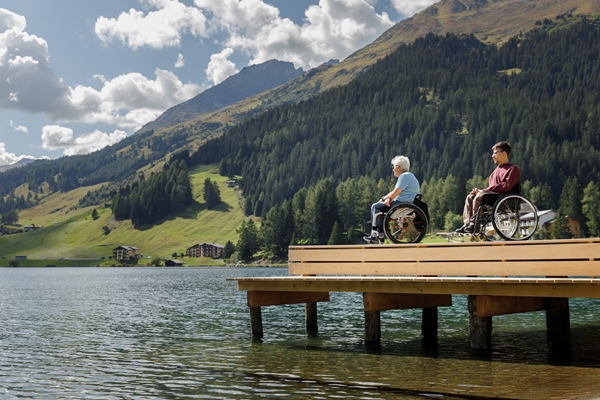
(508, 216)
(406, 222)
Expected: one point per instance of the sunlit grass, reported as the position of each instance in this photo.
(70, 232)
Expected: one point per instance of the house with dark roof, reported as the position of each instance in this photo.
(213, 250)
(126, 253)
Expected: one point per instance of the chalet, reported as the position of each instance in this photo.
(213, 250)
(28, 228)
(126, 253)
(231, 183)
(573, 224)
(173, 263)
(545, 220)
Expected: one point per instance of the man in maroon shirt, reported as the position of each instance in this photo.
(502, 180)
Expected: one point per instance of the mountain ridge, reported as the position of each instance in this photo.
(489, 21)
(249, 81)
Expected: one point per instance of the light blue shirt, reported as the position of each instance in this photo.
(410, 187)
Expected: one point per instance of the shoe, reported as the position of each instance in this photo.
(461, 229)
(374, 239)
(470, 228)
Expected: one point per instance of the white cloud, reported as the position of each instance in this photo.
(157, 29)
(331, 29)
(131, 100)
(55, 137)
(180, 61)
(7, 158)
(408, 8)
(220, 68)
(18, 128)
(28, 84)
(10, 20)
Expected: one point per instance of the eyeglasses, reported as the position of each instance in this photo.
(496, 152)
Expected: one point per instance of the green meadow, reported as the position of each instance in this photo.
(68, 235)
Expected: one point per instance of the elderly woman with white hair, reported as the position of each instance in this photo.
(407, 187)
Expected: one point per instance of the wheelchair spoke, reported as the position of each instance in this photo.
(405, 223)
(514, 217)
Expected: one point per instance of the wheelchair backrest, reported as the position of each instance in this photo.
(517, 188)
(418, 201)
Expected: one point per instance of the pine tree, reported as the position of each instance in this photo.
(248, 242)
(212, 195)
(591, 208)
(570, 201)
(336, 236)
(560, 227)
(229, 249)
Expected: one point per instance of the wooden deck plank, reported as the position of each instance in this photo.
(493, 268)
(530, 287)
(449, 254)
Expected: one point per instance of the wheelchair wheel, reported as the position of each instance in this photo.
(405, 223)
(514, 217)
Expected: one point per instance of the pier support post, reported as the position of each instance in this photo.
(480, 328)
(256, 322)
(311, 318)
(558, 323)
(429, 325)
(372, 328)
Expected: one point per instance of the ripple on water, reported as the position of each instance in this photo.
(184, 332)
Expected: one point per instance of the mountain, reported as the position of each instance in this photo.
(22, 162)
(248, 82)
(491, 21)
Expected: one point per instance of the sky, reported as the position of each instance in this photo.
(79, 75)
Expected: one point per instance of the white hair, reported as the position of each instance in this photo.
(401, 161)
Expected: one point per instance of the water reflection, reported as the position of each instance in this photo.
(184, 332)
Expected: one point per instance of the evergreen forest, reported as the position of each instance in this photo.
(152, 199)
(443, 101)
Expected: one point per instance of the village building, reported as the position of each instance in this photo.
(213, 250)
(546, 219)
(173, 263)
(126, 253)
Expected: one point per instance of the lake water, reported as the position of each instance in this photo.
(128, 333)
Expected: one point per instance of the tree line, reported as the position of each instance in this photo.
(324, 214)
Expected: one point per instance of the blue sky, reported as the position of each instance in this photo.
(76, 75)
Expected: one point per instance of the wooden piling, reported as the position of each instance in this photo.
(256, 322)
(480, 328)
(372, 328)
(311, 318)
(558, 323)
(429, 324)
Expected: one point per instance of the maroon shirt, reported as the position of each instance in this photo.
(504, 178)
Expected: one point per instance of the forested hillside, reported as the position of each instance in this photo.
(443, 102)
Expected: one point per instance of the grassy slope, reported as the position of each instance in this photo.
(77, 236)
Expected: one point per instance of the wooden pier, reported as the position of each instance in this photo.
(498, 278)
